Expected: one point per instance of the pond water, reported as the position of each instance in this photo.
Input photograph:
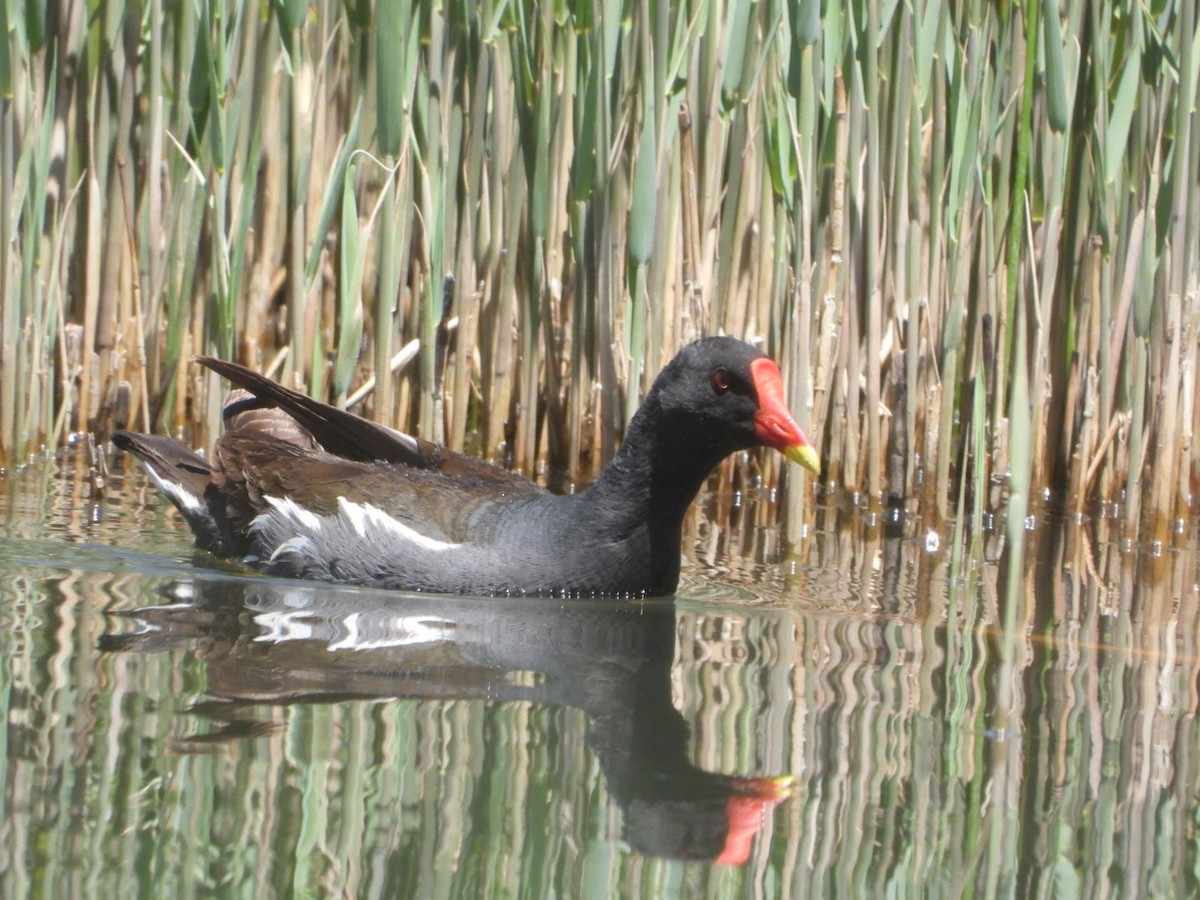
(850, 722)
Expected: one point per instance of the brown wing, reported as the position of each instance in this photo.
(345, 435)
(248, 470)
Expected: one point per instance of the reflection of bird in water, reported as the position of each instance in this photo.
(271, 643)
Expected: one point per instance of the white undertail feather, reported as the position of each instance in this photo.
(184, 499)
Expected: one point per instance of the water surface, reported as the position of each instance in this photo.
(172, 727)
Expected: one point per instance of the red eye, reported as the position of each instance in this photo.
(720, 381)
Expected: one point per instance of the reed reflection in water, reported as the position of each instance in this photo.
(176, 730)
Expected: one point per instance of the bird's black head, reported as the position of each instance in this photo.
(727, 395)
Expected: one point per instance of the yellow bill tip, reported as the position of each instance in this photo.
(804, 455)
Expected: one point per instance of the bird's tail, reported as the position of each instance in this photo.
(183, 476)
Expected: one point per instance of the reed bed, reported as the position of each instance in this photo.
(970, 232)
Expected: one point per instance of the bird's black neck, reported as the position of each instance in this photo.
(658, 471)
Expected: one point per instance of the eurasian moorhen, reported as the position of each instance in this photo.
(302, 489)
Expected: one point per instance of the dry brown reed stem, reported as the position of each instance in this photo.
(609, 187)
(825, 370)
(873, 253)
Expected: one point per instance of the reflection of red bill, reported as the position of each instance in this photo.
(748, 809)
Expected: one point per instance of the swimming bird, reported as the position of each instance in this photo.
(298, 488)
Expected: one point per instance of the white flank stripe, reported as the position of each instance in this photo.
(354, 513)
(363, 516)
(298, 545)
(289, 508)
